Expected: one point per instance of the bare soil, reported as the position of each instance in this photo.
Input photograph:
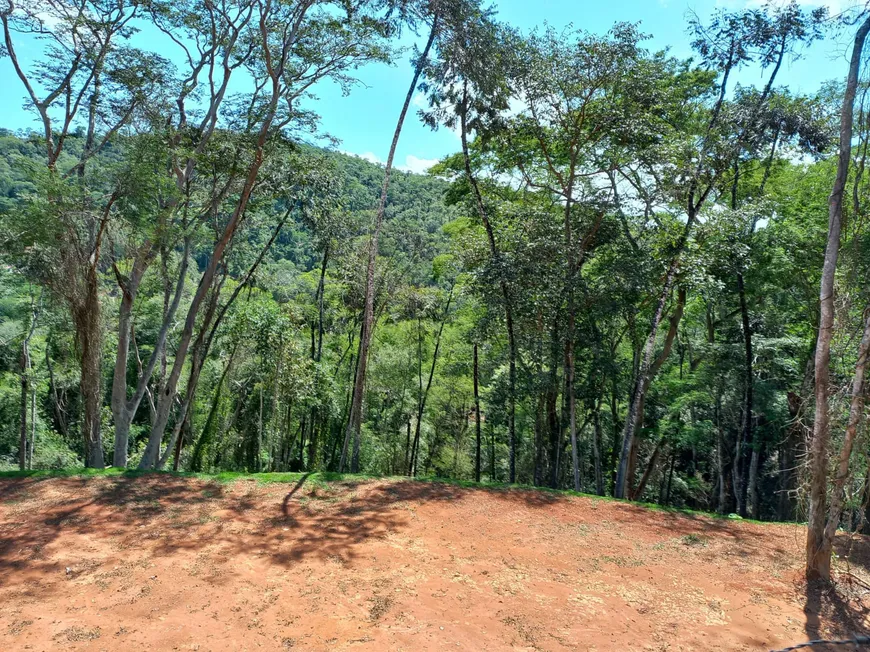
(170, 563)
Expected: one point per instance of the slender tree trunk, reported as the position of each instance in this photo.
(210, 426)
(737, 472)
(555, 426)
(407, 462)
(670, 479)
(856, 414)
(648, 471)
(26, 371)
(818, 548)
(492, 474)
(421, 406)
(789, 475)
(508, 305)
(123, 408)
(179, 444)
(569, 336)
(32, 447)
(258, 461)
(90, 340)
(317, 353)
(321, 289)
(752, 497)
(596, 449)
(25, 392)
(649, 367)
(614, 445)
(416, 440)
(476, 417)
(720, 454)
(355, 415)
(572, 407)
(747, 430)
(540, 429)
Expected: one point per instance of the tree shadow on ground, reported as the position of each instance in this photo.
(840, 609)
(171, 514)
(834, 611)
(34, 512)
(280, 525)
(166, 515)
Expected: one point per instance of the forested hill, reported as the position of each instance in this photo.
(415, 214)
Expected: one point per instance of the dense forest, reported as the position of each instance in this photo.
(612, 287)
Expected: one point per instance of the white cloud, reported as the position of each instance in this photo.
(416, 164)
(419, 100)
(371, 157)
(412, 163)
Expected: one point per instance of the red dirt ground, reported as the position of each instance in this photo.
(169, 563)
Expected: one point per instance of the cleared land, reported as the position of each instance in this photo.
(164, 562)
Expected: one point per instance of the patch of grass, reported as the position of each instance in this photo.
(621, 562)
(18, 626)
(79, 634)
(379, 607)
(323, 480)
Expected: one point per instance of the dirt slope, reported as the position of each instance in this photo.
(168, 563)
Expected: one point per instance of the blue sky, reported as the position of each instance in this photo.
(365, 120)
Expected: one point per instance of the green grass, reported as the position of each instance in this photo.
(324, 478)
(225, 476)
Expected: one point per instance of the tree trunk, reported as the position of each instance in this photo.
(752, 497)
(856, 414)
(317, 353)
(90, 341)
(572, 408)
(553, 422)
(25, 453)
(614, 444)
(647, 474)
(354, 422)
(185, 434)
(670, 479)
(789, 456)
(649, 367)
(569, 335)
(720, 455)
(210, 426)
(746, 434)
(508, 306)
(32, 447)
(421, 406)
(25, 392)
(123, 408)
(492, 474)
(476, 418)
(258, 460)
(818, 547)
(737, 472)
(596, 449)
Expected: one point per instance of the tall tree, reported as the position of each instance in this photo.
(295, 46)
(819, 539)
(731, 41)
(89, 76)
(467, 88)
(431, 11)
